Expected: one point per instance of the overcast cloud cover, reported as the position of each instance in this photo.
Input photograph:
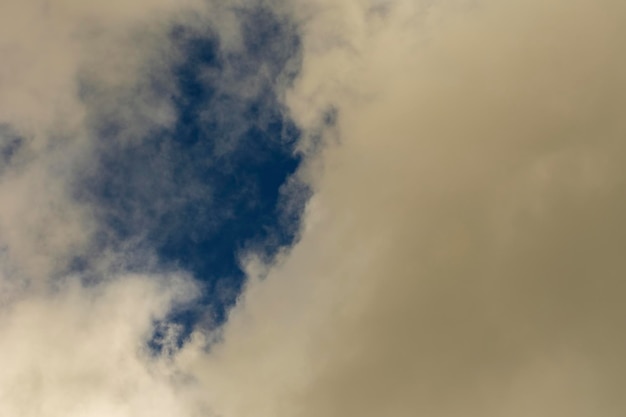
(448, 236)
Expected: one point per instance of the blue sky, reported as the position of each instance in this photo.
(286, 208)
(200, 193)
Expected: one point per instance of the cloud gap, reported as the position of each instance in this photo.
(199, 193)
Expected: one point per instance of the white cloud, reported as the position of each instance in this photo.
(80, 351)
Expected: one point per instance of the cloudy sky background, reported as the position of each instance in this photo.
(312, 208)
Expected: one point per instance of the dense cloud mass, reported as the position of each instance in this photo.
(461, 169)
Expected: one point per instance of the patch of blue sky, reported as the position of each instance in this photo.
(200, 192)
(10, 142)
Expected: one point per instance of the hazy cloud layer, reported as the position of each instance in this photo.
(461, 254)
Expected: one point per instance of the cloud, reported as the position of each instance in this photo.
(81, 351)
(461, 255)
(46, 45)
(54, 53)
(88, 84)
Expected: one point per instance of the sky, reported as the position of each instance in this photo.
(288, 208)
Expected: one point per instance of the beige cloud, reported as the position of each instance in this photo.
(45, 45)
(462, 253)
(81, 351)
(56, 55)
